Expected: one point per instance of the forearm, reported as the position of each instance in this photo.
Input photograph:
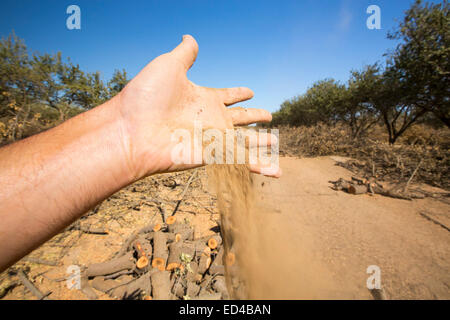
(49, 180)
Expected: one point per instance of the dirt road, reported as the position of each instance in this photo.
(320, 242)
(303, 241)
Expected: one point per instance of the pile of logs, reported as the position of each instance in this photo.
(162, 261)
(362, 186)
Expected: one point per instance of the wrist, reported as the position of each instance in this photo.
(146, 149)
(116, 134)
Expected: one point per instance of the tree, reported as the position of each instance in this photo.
(117, 83)
(396, 111)
(421, 62)
(321, 103)
(85, 90)
(357, 108)
(325, 97)
(45, 69)
(41, 90)
(15, 74)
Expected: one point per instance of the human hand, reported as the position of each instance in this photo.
(161, 99)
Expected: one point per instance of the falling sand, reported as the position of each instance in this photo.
(262, 259)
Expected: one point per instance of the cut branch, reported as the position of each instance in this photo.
(125, 262)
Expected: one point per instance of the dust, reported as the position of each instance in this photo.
(267, 264)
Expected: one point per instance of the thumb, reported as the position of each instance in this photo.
(186, 51)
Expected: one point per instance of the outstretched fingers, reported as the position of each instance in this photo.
(231, 96)
(245, 116)
(272, 170)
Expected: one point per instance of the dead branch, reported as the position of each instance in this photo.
(125, 262)
(31, 287)
(41, 261)
(89, 229)
(184, 192)
(423, 214)
(412, 176)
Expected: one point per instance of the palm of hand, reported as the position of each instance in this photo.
(161, 99)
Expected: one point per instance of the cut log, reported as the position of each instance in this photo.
(220, 286)
(178, 288)
(345, 185)
(160, 253)
(359, 180)
(192, 289)
(174, 260)
(214, 242)
(112, 266)
(159, 264)
(125, 287)
(206, 251)
(188, 248)
(126, 245)
(147, 298)
(143, 249)
(206, 282)
(157, 227)
(357, 189)
(171, 220)
(160, 281)
(142, 263)
(149, 235)
(204, 263)
(118, 274)
(217, 267)
(104, 285)
(170, 237)
(192, 274)
(390, 193)
(87, 289)
(185, 231)
(134, 289)
(148, 229)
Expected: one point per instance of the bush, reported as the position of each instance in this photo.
(388, 162)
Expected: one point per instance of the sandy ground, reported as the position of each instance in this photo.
(122, 214)
(324, 240)
(309, 241)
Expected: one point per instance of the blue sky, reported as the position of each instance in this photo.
(277, 48)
